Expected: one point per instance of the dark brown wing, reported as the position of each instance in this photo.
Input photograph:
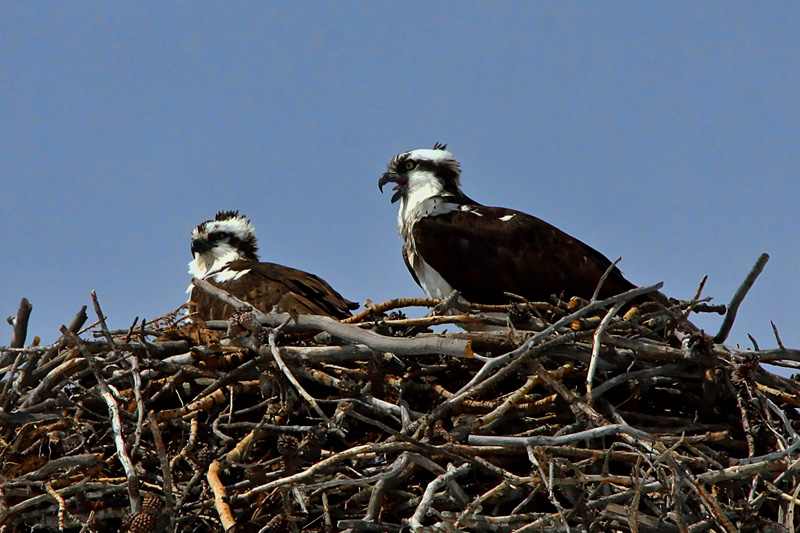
(483, 256)
(409, 267)
(267, 285)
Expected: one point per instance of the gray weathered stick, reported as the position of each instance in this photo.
(738, 297)
(116, 424)
(598, 334)
(21, 324)
(346, 332)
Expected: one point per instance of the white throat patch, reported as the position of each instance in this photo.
(421, 200)
(424, 197)
(213, 264)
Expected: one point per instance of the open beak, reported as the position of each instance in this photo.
(393, 177)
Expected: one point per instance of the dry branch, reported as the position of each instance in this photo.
(625, 426)
(738, 298)
(346, 332)
(20, 324)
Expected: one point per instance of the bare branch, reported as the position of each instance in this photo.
(339, 427)
(598, 334)
(346, 332)
(21, 324)
(738, 298)
(116, 423)
(603, 278)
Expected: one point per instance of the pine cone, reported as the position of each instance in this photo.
(287, 444)
(152, 503)
(287, 447)
(150, 519)
(311, 447)
(143, 523)
(518, 314)
(203, 457)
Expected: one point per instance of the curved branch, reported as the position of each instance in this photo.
(737, 299)
(346, 332)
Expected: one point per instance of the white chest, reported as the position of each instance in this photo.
(431, 281)
(214, 266)
(424, 198)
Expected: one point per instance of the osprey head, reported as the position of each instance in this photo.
(215, 243)
(434, 168)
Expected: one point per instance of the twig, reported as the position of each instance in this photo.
(80, 319)
(738, 297)
(62, 463)
(102, 320)
(777, 336)
(220, 496)
(326, 463)
(221, 500)
(62, 506)
(547, 481)
(739, 389)
(517, 396)
(427, 498)
(116, 423)
(666, 370)
(205, 402)
(288, 373)
(193, 430)
(603, 278)
(437, 320)
(433, 302)
(477, 503)
(51, 379)
(388, 306)
(326, 514)
(137, 393)
(165, 463)
(387, 481)
(5, 396)
(695, 301)
(523, 442)
(598, 334)
(346, 332)
(495, 362)
(21, 324)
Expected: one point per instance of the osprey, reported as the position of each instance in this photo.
(454, 243)
(224, 252)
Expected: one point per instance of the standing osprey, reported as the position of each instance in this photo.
(453, 242)
(224, 252)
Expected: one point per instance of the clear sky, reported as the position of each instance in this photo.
(666, 133)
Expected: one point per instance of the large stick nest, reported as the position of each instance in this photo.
(281, 423)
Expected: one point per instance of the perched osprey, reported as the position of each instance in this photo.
(453, 242)
(224, 252)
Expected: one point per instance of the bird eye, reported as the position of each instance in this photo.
(410, 164)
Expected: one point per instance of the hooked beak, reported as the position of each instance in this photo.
(393, 177)
(200, 245)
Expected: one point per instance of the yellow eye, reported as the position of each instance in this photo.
(410, 164)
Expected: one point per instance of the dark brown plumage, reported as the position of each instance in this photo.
(224, 251)
(452, 242)
(523, 255)
(268, 285)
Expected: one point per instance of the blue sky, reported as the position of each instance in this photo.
(664, 133)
